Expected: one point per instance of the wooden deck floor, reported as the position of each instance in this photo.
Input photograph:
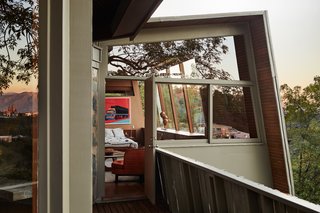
(24, 206)
(138, 206)
(124, 191)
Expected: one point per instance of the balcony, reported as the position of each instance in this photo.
(191, 186)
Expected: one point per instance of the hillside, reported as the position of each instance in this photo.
(23, 102)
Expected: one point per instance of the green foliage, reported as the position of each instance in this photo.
(16, 157)
(16, 160)
(19, 24)
(302, 114)
(16, 126)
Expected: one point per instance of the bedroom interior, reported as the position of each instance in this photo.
(124, 130)
(124, 141)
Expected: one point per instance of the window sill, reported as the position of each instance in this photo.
(184, 133)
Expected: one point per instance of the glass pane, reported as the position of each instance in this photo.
(166, 106)
(185, 105)
(196, 95)
(180, 107)
(233, 115)
(209, 58)
(19, 107)
(95, 118)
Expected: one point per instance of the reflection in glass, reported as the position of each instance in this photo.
(196, 96)
(202, 58)
(166, 105)
(184, 106)
(180, 107)
(233, 115)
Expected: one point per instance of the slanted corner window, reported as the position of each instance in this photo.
(234, 113)
(221, 65)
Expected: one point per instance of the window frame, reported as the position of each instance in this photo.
(202, 31)
(210, 84)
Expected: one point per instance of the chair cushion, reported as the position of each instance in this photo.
(132, 163)
(117, 164)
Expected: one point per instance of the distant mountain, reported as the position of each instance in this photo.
(23, 102)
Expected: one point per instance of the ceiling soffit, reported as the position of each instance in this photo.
(120, 18)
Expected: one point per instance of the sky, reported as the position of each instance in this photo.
(19, 87)
(294, 28)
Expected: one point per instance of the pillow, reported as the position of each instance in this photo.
(109, 133)
(118, 133)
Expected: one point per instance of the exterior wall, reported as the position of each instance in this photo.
(266, 162)
(270, 111)
(249, 161)
(273, 161)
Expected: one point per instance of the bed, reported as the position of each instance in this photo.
(115, 138)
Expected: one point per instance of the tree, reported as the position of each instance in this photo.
(302, 114)
(19, 24)
(147, 58)
(19, 49)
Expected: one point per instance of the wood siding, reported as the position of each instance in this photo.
(269, 105)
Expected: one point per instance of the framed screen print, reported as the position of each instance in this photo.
(117, 110)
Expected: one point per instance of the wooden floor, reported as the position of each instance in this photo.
(126, 196)
(15, 207)
(127, 188)
(137, 206)
(124, 191)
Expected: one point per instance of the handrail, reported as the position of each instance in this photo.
(192, 186)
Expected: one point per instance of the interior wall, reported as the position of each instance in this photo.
(137, 113)
(249, 161)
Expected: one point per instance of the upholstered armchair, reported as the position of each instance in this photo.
(131, 165)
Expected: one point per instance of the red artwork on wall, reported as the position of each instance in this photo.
(117, 110)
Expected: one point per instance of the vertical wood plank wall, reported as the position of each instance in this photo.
(269, 105)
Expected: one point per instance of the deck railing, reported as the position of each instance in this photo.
(192, 186)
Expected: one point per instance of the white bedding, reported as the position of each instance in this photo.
(116, 138)
(120, 142)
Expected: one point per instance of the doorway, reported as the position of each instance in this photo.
(124, 140)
